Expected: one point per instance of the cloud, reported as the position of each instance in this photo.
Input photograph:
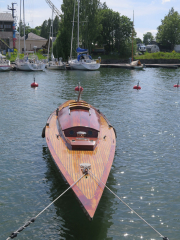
(141, 31)
(164, 1)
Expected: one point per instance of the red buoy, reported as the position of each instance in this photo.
(177, 85)
(78, 88)
(137, 86)
(34, 84)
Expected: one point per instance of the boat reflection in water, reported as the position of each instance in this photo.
(68, 218)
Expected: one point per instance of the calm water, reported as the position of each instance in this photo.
(146, 168)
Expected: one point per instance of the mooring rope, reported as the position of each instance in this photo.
(14, 234)
(97, 180)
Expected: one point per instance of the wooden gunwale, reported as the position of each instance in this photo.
(87, 189)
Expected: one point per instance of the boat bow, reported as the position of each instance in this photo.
(84, 124)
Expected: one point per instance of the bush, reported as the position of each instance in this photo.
(160, 55)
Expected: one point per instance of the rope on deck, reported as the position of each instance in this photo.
(97, 180)
(14, 234)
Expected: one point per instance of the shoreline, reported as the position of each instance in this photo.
(143, 61)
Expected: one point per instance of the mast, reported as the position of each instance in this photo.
(24, 28)
(78, 26)
(72, 31)
(52, 33)
(49, 43)
(19, 27)
(132, 34)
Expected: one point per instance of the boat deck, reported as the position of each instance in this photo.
(68, 161)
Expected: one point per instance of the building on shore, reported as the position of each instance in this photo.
(32, 42)
(6, 31)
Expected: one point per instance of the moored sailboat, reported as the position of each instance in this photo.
(27, 64)
(54, 64)
(81, 140)
(83, 61)
(5, 65)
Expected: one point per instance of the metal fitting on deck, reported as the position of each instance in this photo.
(85, 167)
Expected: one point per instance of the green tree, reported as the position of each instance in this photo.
(169, 30)
(56, 25)
(116, 33)
(138, 40)
(99, 25)
(62, 45)
(44, 29)
(89, 27)
(147, 38)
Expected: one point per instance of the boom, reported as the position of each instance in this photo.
(55, 10)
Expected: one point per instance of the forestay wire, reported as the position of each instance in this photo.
(97, 180)
(14, 234)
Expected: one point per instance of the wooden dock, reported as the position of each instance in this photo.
(124, 65)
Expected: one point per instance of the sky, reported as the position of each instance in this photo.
(147, 14)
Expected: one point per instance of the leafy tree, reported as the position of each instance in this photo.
(28, 29)
(138, 40)
(99, 25)
(44, 29)
(89, 27)
(169, 30)
(125, 41)
(116, 33)
(56, 24)
(62, 44)
(147, 38)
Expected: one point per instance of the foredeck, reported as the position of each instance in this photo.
(87, 189)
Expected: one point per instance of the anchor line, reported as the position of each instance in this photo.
(97, 180)
(14, 234)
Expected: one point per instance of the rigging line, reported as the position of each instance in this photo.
(164, 238)
(14, 234)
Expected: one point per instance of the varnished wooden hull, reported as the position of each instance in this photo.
(88, 190)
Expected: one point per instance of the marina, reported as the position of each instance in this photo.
(122, 65)
(144, 173)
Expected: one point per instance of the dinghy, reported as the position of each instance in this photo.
(81, 141)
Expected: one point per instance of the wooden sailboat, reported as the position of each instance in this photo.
(79, 136)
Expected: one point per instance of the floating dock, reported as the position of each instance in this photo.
(124, 65)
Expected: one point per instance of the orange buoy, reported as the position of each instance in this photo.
(137, 86)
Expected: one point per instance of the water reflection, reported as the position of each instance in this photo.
(73, 223)
(145, 169)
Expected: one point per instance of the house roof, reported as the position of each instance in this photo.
(6, 17)
(32, 36)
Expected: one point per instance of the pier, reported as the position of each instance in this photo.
(124, 65)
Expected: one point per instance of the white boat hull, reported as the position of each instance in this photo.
(56, 67)
(5, 68)
(82, 65)
(30, 66)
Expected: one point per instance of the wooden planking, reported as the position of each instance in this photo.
(69, 161)
(78, 117)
